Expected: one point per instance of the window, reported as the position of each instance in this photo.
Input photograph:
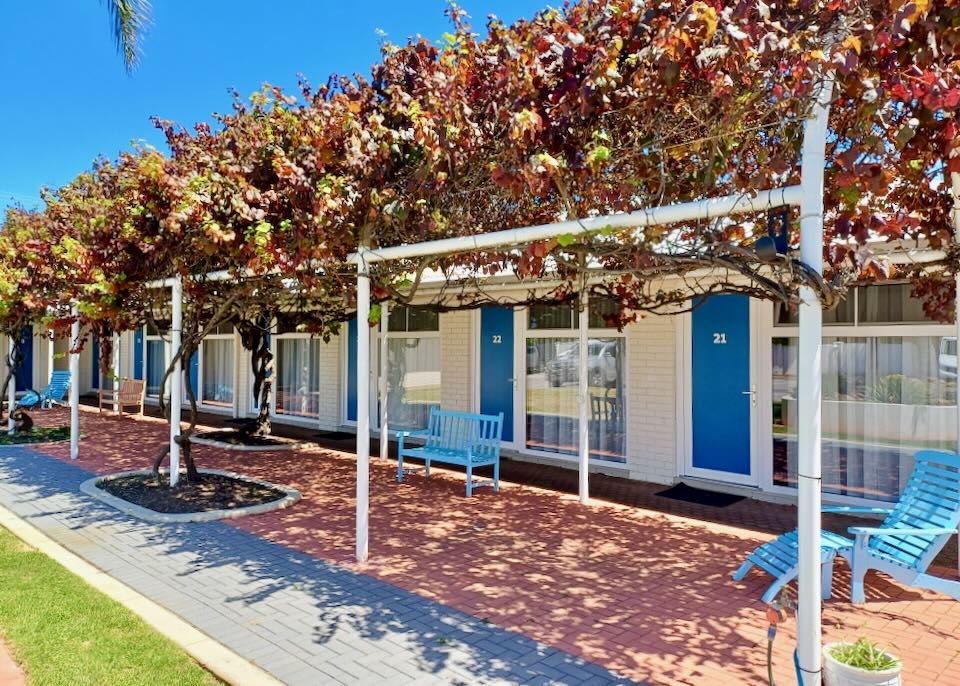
(156, 353)
(413, 366)
(298, 376)
(887, 303)
(784, 315)
(412, 319)
(884, 398)
(552, 381)
(156, 365)
(218, 365)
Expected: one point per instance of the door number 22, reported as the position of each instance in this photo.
(497, 340)
(719, 339)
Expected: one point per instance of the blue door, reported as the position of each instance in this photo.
(721, 385)
(193, 373)
(496, 365)
(138, 353)
(95, 384)
(352, 371)
(23, 375)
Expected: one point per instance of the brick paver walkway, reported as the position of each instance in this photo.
(302, 619)
(645, 594)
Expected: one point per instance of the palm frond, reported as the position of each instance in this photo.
(129, 19)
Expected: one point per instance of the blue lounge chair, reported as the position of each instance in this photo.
(914, 531)
(54, 393)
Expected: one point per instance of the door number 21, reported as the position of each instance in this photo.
(719, 339)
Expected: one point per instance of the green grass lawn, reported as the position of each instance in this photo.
(65, 633)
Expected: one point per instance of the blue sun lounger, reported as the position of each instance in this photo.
(53, 394)
(914, 531)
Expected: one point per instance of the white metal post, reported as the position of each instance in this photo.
(51, 351)
(12, 388)
(176, 379)
(583, 397)
(384, 382)
(363, 407)
(809, 391)
(75, 384)
(115, 364)
(955, 187)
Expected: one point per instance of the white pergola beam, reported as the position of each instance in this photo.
(710, 208)
(809, 392)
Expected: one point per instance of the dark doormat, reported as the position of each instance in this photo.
(689, 494)
(333, 435)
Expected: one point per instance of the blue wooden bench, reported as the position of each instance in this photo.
(461, 438)
(903, 546)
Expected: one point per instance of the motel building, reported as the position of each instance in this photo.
(707, 397)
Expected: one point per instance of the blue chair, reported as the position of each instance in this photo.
(54, 393)
(914, 531)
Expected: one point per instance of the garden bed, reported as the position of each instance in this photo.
(39, 434)
(231, 439)
(220, 495)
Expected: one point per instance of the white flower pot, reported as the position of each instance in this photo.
(836, 673)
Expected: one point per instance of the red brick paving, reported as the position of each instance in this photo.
(645, 593)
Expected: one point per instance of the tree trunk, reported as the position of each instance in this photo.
(14, 360)
(255, 337)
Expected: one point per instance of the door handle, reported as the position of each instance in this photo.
(753, 395)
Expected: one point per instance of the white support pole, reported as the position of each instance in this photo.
(809, 391)
(363, 408)
(583, 397)
(115, 371)
(12, 388)
(176, 379)
(75, 384)
(955, 187)
(384, 382)
(51, 351)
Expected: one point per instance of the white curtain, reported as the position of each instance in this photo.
(413, 370)
(156, 366)
(298, 377)
(218, 371)
(884, 398)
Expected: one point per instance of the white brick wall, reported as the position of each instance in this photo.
(331, 376)
(456, 361)
(651, 398)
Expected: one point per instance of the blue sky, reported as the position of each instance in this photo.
(67, 98)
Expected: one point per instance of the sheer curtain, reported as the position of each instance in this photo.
(552, 387)
(298, 377)
(218, 371)
(413, 368)
(884, 398)
(156, 366)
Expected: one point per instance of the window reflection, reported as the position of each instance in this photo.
(884, 398)
(552, 386)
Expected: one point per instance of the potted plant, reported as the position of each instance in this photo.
(863, 663)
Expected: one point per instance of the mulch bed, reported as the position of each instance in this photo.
(231, 437)
(214, 492)
(39, 434)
